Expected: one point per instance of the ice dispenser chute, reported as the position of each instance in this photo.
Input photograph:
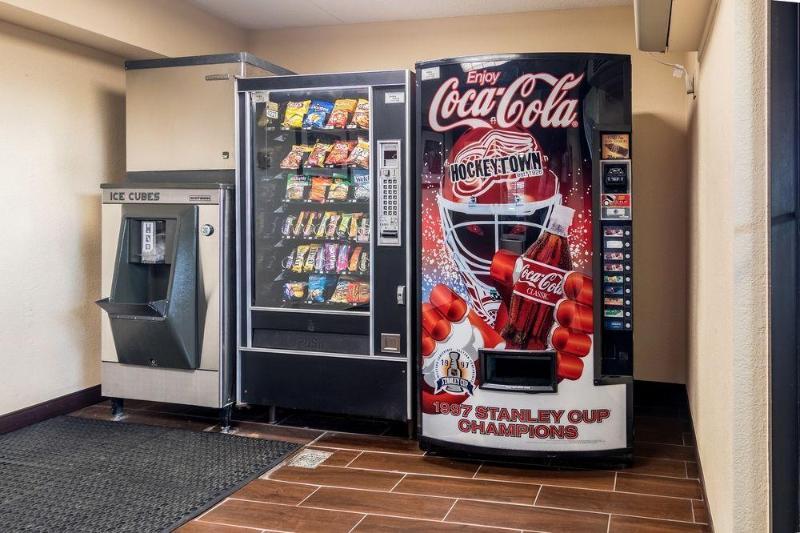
(153, 303)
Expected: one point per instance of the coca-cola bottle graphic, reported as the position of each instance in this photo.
(539, 284)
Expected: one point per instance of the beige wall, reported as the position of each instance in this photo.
(659, 132)
(132, 28)
(62, 131)
(63, 109)
(728, 375)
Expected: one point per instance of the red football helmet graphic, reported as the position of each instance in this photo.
(497, 186)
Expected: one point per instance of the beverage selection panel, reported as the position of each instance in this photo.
(617, 276)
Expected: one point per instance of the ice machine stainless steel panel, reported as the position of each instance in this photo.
(167, 281)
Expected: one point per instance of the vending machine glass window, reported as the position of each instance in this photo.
(312, 199)
(326, 242)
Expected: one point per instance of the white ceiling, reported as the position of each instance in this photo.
(270, 14)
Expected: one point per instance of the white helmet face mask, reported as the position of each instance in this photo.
(483, 221)
(481, 213)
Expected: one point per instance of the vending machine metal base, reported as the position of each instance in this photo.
(324, 190)
(167, 271)
(525, 265)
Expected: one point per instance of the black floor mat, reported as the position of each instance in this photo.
(75, 474)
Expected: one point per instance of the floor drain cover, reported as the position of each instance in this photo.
(309, 458)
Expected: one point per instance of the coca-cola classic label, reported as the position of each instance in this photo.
(507, 106)
(540, 282)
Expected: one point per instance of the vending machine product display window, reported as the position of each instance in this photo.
(324, 244)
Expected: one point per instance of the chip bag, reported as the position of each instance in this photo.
(319, 189)
(317, 284)
(341, 112)
(318, 154)
(294, 159)
(296, 187)
(361, 187)
(339, 190)
(295, 111)
(294, 291)
(359, 157)
(340, 152)
(340, 292)
(317, 114)
(361, 116)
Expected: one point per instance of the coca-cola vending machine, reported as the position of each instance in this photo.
(525, 268)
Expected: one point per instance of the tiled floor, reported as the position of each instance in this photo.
(376, 482)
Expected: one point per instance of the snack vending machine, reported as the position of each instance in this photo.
(324, 251)
(525, 264)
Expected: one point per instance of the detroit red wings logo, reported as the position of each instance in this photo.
(499, 156)
(494, 166)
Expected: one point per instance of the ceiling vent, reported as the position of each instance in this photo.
(670, 25)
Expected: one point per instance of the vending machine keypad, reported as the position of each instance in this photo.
(389, 197)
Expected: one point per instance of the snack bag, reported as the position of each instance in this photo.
(363, 264)
(296, 187)
(318, 155)
(361, 116)
(299, 258)
(359, 157)
(330, 232)
(317, 283)
(331, 249)
(288, 225)
(288, 263)
(353, 230)
(311, 225)
(353, 264)
(295, 111)
(319, 188)
(311, 258)
(358, 293)
(300, 224)
(318, 112)
(294, 159)
(363, 230)
(344, 226)
(342, 262)
(340, 152)
(340, 292)
(294, 291)
(319, 264)
(341, 110)
(323, 224)
(361, 189)
(339, 190)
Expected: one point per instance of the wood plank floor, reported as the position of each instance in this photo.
(374, 482)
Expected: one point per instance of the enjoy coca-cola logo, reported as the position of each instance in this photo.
(540, 282)
(507, 106)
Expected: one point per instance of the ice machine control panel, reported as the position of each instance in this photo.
(389, 178)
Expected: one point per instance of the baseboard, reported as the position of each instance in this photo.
(49, 409)
(650, 393)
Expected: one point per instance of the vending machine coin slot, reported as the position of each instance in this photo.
(389, 194)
